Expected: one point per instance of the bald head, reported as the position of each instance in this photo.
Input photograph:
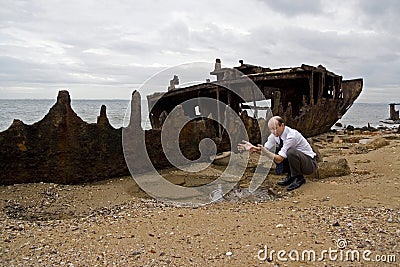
(276, 125)
(275, 120)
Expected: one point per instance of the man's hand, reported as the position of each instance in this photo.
(247, 146)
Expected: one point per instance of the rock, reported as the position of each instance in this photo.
(221, 159)
(329, 138)
(365, 141)
(177, 179)
(337, 139)
(351, 139)
(377, 143)
(315, 149)
(272, 192)
(391, 137)
(326, 199)
(335, 168)
(359, 149)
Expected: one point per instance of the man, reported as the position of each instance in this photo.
(295, 149)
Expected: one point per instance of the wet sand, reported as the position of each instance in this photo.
(114, 223)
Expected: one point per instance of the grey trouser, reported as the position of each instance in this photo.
(300, 163)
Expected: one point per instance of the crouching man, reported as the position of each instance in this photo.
(294, 149)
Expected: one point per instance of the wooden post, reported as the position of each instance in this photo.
(218, 114)
(321, 87)
(311, 83)
(229, 99)
(254, 103)
(199, 103)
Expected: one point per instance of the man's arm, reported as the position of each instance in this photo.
(275, 157)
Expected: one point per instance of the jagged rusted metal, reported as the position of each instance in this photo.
(310, 99)
(62, 148)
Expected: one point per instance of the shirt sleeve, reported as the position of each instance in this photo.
(270, 142)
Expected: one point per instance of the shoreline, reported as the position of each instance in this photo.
(91, 114)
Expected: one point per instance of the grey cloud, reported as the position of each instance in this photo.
(294, 8)
(353, 54)
(24, 10)
(379, 8)
(132, 47)
(15, 72)
(18, 71)
(380, 15)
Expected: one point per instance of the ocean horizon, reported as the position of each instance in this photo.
(33, 110)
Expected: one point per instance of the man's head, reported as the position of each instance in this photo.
(276, 125)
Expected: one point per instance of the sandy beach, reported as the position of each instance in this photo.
(114, 223)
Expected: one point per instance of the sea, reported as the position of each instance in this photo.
(32, 110)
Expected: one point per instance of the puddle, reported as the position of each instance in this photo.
(239, 195)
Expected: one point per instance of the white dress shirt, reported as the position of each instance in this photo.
(291, 139)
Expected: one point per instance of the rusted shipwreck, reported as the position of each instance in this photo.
(310, 99)
(62, 148)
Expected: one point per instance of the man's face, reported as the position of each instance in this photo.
(276, 129)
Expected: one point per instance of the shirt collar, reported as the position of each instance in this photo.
(283, 136)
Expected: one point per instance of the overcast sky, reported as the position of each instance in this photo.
(107, 49)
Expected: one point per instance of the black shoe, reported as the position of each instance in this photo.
(298, 181)
(288, 180)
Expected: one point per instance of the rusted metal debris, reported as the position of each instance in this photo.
(310, 99)
(394, 114)
(62, 148)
